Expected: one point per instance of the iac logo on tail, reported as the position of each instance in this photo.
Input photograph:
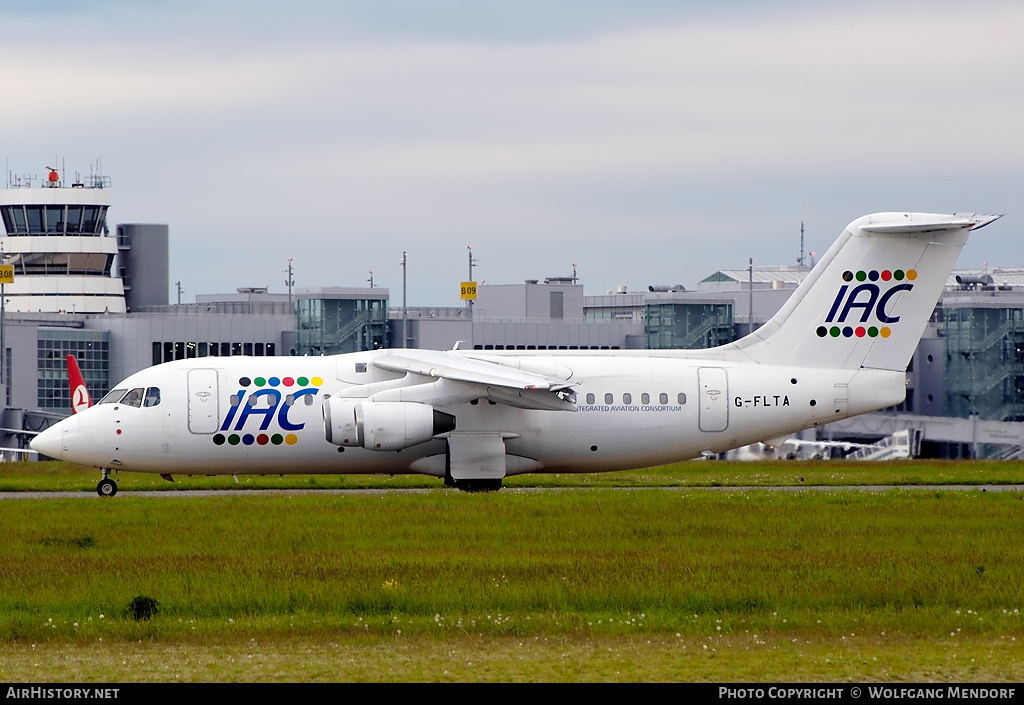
(867, 302)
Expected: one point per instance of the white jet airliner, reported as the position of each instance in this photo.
(840, 346)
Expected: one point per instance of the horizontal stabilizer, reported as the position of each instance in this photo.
(929, 225)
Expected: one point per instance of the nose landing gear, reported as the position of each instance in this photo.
(106, 486)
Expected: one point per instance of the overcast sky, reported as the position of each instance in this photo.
(646, 142)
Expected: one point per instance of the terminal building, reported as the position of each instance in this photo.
(81, 288)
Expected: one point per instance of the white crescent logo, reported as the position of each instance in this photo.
(80, 399)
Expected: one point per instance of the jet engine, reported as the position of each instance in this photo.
(382, 425)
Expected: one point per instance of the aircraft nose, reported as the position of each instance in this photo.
(51, 441)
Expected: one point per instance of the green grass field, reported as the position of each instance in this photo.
(585, 584)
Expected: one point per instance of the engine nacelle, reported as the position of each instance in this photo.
(382, 425)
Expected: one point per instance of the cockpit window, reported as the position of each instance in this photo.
(113, 396)
(152, 396)
(134, 397)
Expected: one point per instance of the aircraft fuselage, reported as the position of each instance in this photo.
(245, 415)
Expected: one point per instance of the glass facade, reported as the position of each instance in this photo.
(168, 351)
(54, 219)
(90, 348)
(687, 326)
(984, 371)
(331, 326)
(606, 314)
(61, 263)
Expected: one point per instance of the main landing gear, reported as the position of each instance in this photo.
(473, 485)
(106, 486)
(477, 455)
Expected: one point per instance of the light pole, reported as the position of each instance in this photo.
(469, 302)
(750, 286)
(405, 315)
(289, 282)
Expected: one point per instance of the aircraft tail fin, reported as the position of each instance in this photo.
(80, 399)
(867, 301)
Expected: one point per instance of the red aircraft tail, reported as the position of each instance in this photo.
(79, 394)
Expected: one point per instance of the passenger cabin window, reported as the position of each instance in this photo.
(663, 398)
(609, 399)
(682, 398)
(591, 398)
(113, 396)
(134, 397)
(152, 396)
(645, 398)
(627, 398)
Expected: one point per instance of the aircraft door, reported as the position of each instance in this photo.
(203, 413)
(714, 399)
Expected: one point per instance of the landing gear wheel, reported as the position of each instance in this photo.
(479, 485)
(106, 488)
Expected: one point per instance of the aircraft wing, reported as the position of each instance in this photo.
(462, 369)
(485, 378)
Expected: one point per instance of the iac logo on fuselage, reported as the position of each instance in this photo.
(866, 302)
(266, 402)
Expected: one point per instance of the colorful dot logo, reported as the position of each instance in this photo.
(278, 381)
(851, 332)
(262, 439)
(885, 275)
(294, 388)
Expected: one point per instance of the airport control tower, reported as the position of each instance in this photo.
(58, 242)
